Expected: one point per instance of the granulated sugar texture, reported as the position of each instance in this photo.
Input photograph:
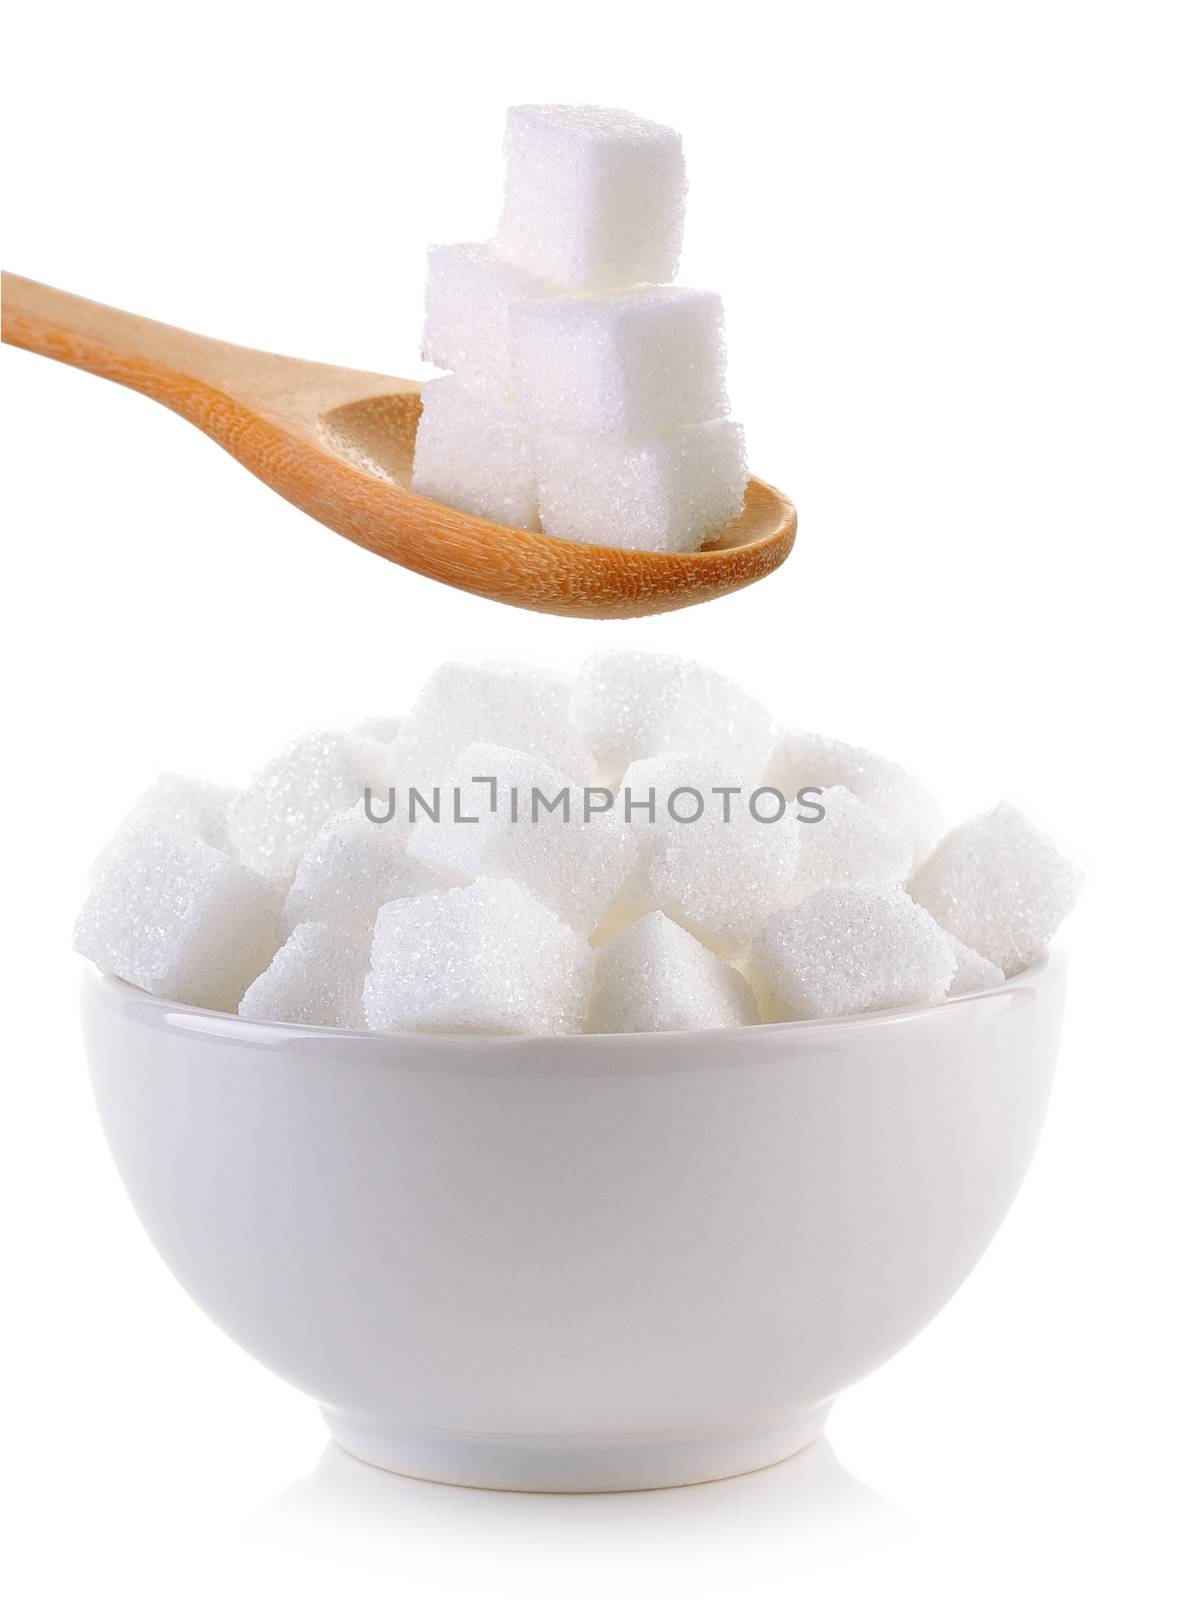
(633, 849)
(586, 392)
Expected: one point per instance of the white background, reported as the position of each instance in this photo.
(944, 235)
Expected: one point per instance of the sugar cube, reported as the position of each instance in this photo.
(809, 760)
(862, 948)
(506, 703)
(177, 804)
(627, 705)
(972, 972)
(485, 958)
(674, 491)
(315, 978)
(720, 871)
(848, 844)
(516, 817)
(285, 805)
(655, 976)
(350, 869)
(594, 197)
(620, 366)
(466, 329)
(180, 919)
(472, 451)
(999, 884)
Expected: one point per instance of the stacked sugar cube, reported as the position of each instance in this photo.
(586, 392)
(633, 849)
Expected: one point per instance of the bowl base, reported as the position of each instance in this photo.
(572, 1464)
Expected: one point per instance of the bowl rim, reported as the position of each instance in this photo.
(227, 1024)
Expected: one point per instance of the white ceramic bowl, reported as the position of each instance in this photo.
(584, 1263)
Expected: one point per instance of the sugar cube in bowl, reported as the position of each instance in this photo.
(518, 1173)
(567, 808)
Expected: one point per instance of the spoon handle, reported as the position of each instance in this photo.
(184, 371)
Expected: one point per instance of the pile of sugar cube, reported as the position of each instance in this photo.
(585, 392)
(636, 848)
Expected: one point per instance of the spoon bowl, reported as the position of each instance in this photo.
(339, 445)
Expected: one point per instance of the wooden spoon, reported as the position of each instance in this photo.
(339, 445)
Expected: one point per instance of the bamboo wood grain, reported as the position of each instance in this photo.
(339, 445)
